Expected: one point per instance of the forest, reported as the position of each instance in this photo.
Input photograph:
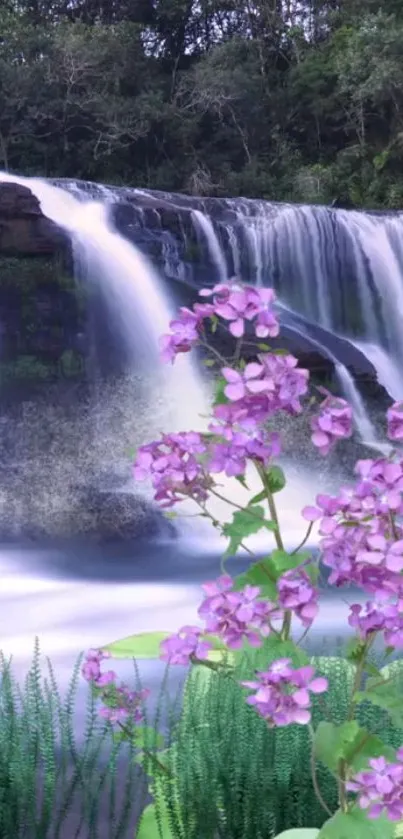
(286, 100)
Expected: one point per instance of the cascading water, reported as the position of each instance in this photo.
(261, 264)
(206, 228)
(134, 292)
(133, 289)
(340, 269)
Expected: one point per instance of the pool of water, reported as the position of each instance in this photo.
(76, 598)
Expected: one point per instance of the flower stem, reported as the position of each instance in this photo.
(272, 506)
(160, 766)
(315, 784)
(304, 541)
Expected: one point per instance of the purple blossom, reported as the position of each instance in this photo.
(382, 617)
(174, 468)
(263, 389)
(282, 693)
(394, 416)
(237, 447)
(183, 337)
(236, 616)
(359, 544)
(183, 645)
(91, 669)
(239, 303)
(333, 423)
(122, 704)
(380, 788)
(297, 594)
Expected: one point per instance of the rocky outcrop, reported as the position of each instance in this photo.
(24, 230)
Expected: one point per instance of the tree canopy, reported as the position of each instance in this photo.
(297, 100)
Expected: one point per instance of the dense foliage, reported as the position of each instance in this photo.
(285, 99)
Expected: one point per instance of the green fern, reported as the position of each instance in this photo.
(232, 777)
(46, 777)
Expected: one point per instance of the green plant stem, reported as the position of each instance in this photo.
(341, 788)
(315, 784)
(393, 526)
(343, 765)
(251, 512)
(304, 541)
(272, 506)
(204, 343)
(218, 526)
(287, 622)
(160, 766)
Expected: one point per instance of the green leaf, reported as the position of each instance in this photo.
(142, 645)
(213, 323)
(256, 575)
(271, 649)
(372, 670)
(280, 561)
(373, 747)
(348, 742)
(332, 742)
(149, 827)
(261, 496)
(385, 695)
(146, 737)
(356, 825)
(355, 649)
(242, 480)
(219, 396)
(209, 362)
(264, 347)
(276, 480)
(244, 523)
(299, 833)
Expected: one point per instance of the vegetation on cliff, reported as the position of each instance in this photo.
(299, 101)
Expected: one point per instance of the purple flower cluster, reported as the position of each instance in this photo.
(236, 615)
(173, 466)
(262, 389)
(282, 693)
(297, 594)
(361, 528)
(239, 303)
(121, 703)
(234, 303)
(236, 446)
(394, 418)
(333, 423)
(382, 617)
(380, 788)
(184, 645)
(362, 536)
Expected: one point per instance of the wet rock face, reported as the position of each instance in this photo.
(23, 228)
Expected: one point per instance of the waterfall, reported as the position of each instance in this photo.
(134, 292)
(205, 226)
(263, 260)
(340, 269)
